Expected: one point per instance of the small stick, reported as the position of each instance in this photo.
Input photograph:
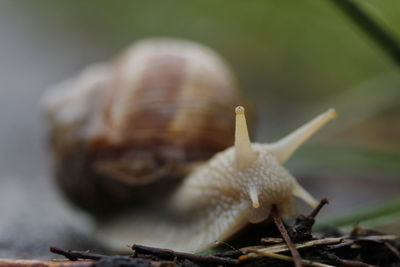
(45, 263)
(250, 249)
(283, 247)
(282, 229)
(76, 255)
(318, 208)
(287, 258)
(341, 245)
(350, 263)
(273, 240)
(301, 230)
(167, 253)
(348, 240)
(318, 242)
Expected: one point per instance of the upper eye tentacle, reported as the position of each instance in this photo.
(244, 154)
(285, 147)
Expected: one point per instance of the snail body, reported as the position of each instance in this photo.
(135, 127)
(236, 187)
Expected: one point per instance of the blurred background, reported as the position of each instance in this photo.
(293, 59)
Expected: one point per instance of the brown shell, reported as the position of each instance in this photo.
(162, 107)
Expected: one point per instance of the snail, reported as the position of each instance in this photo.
(123, 130)
(237, 186)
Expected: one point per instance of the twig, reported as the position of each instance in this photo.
(283, 247)
(76, 255)
(302, 229)
(291, 259)
(250, 249)
(350, 240)
(40, 263)
(343, 262)
(332, 243)
(282, 229)
(170, 254)
(269, 240)
(377, 33)
(341, 245)
(318, 208)
(318, 242)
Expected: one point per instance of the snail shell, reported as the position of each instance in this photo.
(121, 130)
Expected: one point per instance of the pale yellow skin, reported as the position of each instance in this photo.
(236, 187)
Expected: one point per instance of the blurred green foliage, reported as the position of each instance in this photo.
(282, 51)
(384, 216)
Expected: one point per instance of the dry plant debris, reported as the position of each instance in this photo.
(361, 247)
